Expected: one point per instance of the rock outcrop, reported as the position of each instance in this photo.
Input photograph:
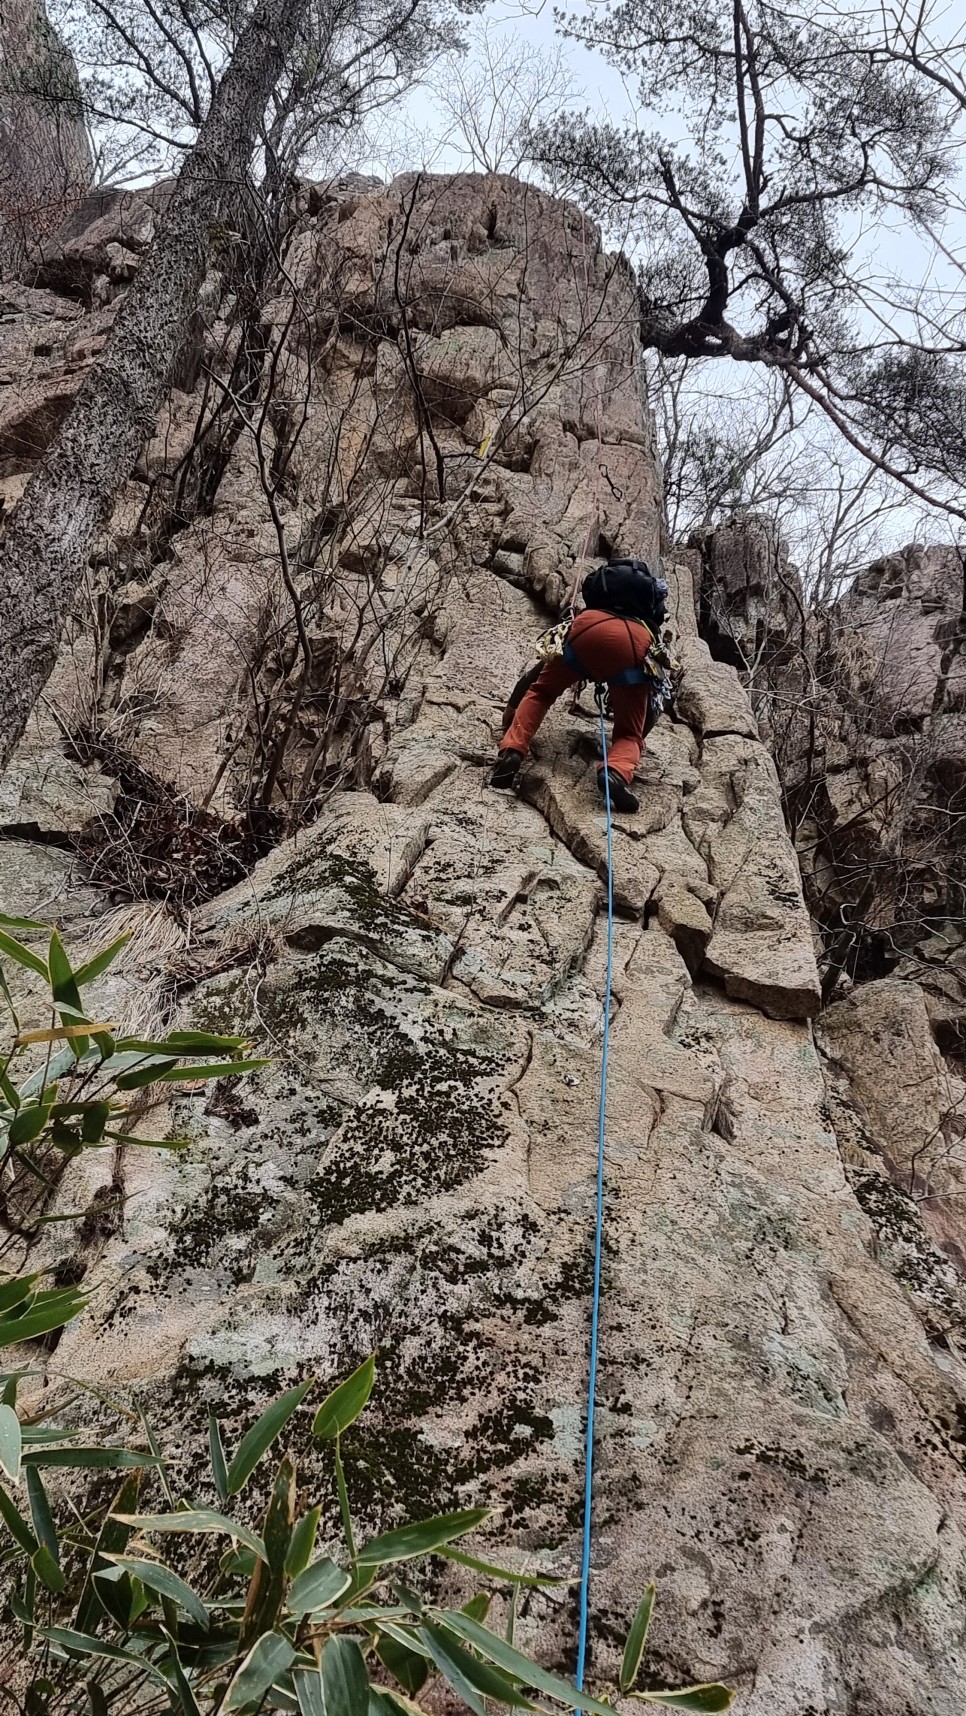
(45, 153)
(780, 1438)
(866, 705)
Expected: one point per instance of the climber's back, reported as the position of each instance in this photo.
(608, 642)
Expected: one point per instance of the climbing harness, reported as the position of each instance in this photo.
(598, 1232)
(630, 675)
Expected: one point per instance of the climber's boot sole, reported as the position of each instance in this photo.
(621, 797)
(506, 770)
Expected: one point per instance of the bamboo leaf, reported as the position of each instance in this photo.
(262, 1434)
(85, 1644)
(263, 1604)
(34, 1434)
(29, 1122)
(194, 1520)
(170, 1073)
(636, 1640)
(62, 980)
(698, 1699)
(65, 991)
(269, 1657)
(140, 1076)
(94, 1121)
(520, 1667)
(345, 1679)
(23, 955)
(15, 1291)
(40, 1512)
(148, 1143)
(407, 1666)
(91, 1458)
(420, 1538)
(508, 1574)
(451, 1668)
(112, 1539)
(320, 1585)
(16, 1524)
(135, 1048)
(98, 964)
(23, 923)
(219, 1469)
(174, 1672)
(468, 1675)
(196, 1042)
(11, 1443)
(48, 1310)
(398, 1703)
(302, 1543)
(343, 1406)
(57, 1034)
(308, 1691)
(48, 1570)
(159, 1578)
(478, 1607)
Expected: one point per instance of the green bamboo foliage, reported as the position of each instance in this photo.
(279, 1625)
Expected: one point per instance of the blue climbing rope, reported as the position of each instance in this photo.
(598, 1238)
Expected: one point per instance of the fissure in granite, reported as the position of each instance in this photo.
(781, 1440)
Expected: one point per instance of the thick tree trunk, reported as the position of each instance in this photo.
(50, 535)
(45, 155)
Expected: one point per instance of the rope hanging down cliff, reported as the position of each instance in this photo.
(598, 1228)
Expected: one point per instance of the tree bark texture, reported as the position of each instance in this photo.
(45, 155)
(67, 499)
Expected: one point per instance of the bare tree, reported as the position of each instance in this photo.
(52, 531)
(802, 129)
(491, 98)
(148, 70)
(761, 450)
(242, 101)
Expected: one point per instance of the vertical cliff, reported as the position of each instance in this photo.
(45, 155)
(458, 424)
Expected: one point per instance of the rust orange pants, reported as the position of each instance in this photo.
(606, 645)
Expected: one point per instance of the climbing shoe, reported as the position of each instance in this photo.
(621, 797)
(506, 770)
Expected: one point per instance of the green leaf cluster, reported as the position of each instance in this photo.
(277, 1622)
(78, 1070)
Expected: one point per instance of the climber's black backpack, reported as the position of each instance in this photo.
(628, 588)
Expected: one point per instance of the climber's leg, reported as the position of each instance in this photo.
(553, 681)
(629, 703)
(522, 686)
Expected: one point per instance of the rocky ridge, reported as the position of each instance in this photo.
(865, 705)
(781, 1398)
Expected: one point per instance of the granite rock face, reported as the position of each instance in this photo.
(779, 1417)
(892, 821)
(866, 705)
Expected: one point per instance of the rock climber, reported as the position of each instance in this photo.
(608, 643)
